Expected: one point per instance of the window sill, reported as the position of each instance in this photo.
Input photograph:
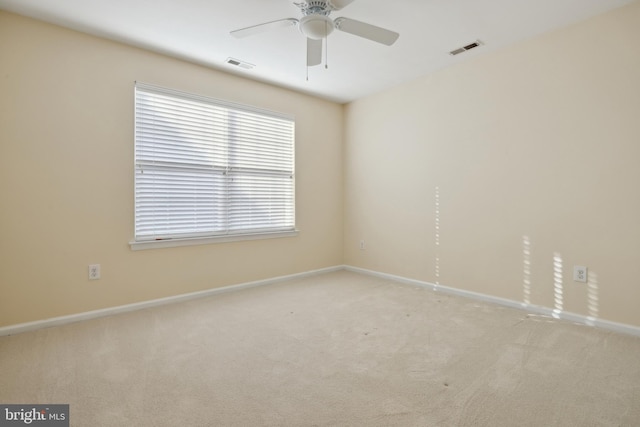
(192, 241)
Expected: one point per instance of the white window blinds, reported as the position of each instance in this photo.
(206, 168)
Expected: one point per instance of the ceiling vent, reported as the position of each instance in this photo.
(239, 63)
(466, 48)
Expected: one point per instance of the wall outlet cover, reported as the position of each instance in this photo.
(94, 271)
(579, 274)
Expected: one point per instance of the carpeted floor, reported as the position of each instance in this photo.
(339, 349)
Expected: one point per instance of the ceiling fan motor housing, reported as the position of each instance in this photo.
(315, 7)
(324, 6)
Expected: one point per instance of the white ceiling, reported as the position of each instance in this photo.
(198, 31)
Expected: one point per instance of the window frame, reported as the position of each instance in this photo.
(149, 241)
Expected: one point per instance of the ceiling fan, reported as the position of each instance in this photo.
(316, 25)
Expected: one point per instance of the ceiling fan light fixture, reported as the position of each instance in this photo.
(316, 27)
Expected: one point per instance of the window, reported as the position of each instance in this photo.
(210, 169)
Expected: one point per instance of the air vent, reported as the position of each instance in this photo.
(239, 63)
(466, 48)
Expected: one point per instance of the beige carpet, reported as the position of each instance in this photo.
(339, 349)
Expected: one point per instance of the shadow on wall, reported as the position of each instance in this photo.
(558, 286)
(437, 234)
(526, 273)
(527, 282)
(592, 297)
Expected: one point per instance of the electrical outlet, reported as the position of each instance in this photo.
(362, 246)
(579, 274)
(94, 271)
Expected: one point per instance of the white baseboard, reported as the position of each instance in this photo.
(535, 309)
(63, 320)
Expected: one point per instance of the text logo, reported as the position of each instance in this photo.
(34, 415)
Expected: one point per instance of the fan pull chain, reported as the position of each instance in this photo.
(326, 53)
(307, 62)
(326, 47)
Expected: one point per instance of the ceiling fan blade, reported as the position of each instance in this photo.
(260, 28)
(339, 4)
(314, 52)
(367, 31)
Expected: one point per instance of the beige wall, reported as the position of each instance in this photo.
(66, 177)
(541, 140)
